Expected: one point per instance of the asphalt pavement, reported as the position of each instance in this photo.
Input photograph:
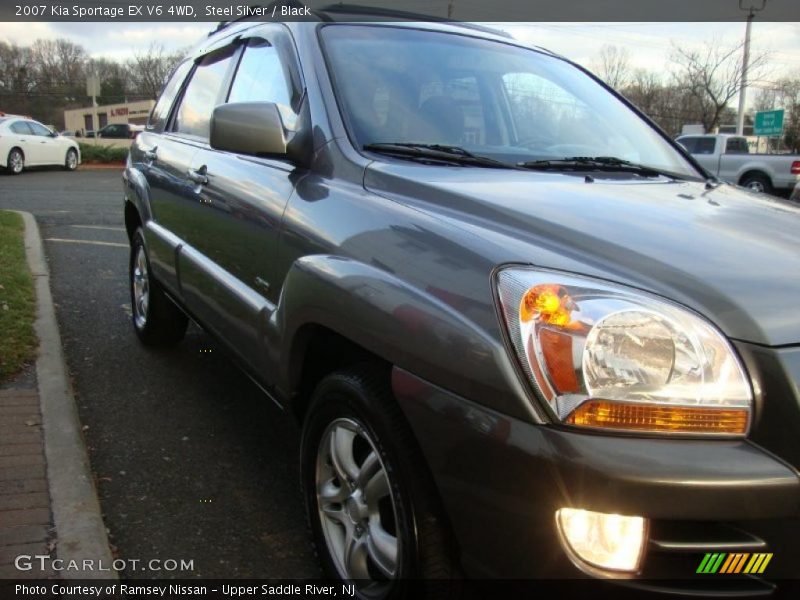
(192, 461)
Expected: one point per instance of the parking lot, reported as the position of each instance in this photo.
(191, 461)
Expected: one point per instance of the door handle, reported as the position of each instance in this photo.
(198, 175)
(151, 154)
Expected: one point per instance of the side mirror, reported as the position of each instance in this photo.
(249, 128)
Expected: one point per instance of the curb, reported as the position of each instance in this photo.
(82, 535)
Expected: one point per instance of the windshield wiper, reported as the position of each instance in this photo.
(597, 163)
(439, 152)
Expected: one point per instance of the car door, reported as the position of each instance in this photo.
(242, 198)
(162, 163)
(22, 136)
(164, 153)
(47, 145)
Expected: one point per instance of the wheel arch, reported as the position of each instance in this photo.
(137, 200)
(10, 150)
(754, 171)
(133, 219)
(316, 352)
(367, 313)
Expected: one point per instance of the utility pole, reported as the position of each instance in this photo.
(752, 10)
(93, 90)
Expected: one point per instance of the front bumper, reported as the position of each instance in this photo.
(501, 481)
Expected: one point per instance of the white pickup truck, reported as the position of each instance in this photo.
(728, 157)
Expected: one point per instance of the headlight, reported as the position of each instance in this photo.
(605, 356)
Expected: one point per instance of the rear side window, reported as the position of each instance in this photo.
(160, 114)
(705, 146)
(203, 94)
(689, 143)
(736, 146)
(21, 127)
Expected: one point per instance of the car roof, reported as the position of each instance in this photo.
(346, 13)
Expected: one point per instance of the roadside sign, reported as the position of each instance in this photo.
(769, 122)
(92, 86)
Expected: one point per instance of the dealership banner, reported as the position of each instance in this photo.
(378, 10)
(216, 589)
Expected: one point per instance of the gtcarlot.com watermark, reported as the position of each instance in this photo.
(31, 562)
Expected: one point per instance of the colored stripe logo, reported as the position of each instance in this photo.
(741, 562)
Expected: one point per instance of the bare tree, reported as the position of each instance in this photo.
(58, 63)
(712, 75)
(16, 77)
(149, 70)
(613, 66)
(114, 79)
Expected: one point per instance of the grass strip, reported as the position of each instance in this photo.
(17, 299)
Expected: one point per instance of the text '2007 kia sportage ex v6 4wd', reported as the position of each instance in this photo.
(526, 335)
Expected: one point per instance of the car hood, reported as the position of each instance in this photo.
(731, 255)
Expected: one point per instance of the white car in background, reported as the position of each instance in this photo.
(27, 143)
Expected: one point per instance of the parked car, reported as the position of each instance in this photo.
(119, 131)
(27, 143)
(525, 334)
(728, 157)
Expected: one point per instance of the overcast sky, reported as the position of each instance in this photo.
(649, 44)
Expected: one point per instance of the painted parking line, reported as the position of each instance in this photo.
(99, 227)
(94, 242)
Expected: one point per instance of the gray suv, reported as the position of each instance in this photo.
(526, 336)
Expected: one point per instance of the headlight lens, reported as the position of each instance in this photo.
(610, 357)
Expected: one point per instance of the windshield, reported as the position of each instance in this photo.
(399, 85)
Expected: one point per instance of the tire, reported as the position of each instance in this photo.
(71, 160)
(357, 409)
(156, 319)
(15, 162)
(757, 183)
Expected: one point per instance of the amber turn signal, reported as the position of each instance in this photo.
(659, 417)
(548, 303)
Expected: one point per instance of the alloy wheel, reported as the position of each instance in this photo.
(16, 162)
(356, 507)
(141, 288)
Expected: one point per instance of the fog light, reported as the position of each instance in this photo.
(607, 541)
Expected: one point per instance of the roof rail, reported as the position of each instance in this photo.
(266, 8)
(324, 14)
(375, 11)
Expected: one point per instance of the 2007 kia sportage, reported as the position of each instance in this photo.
(526, 334)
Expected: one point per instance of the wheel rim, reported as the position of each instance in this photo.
(356, 507)
(16, 161)
(141, 288)
(755, 186)
(72, 160)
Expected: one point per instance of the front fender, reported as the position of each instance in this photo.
(396, 321)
